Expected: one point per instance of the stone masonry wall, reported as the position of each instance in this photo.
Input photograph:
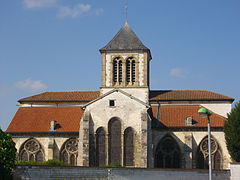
(83, 173)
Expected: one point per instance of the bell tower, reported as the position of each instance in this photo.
(125, 63)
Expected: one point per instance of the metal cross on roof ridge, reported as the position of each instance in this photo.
(126, 12)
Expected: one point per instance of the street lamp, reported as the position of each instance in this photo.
(206, 114)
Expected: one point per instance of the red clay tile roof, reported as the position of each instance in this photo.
(38, 119)
(175, 116)
(65, 96)
(186, 95)
(164, 95)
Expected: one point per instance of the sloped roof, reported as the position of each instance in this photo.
(175, 116)
(120, 91)
(34, 120)
(125, 39)
(186, 95)
(64, 96)
(161, 95)
(38, 120)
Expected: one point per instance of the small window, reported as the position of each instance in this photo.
(189, 121)
(111, 103)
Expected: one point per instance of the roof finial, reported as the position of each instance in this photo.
(126, 12)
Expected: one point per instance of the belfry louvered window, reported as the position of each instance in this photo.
(117, 70)
(130, 71)
(133, 71)
(115, 73)
(120, 71)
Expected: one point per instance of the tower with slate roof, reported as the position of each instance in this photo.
(125, 64)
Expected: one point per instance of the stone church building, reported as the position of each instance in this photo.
(124, 122)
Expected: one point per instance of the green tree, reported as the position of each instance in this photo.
(7, 155)
(232, 133)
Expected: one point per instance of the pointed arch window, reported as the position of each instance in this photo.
(130, 70)
(31, 150)
(114, 142)
(168, 154)
(202, 154)
(100, 147)
(69, 151)
(128, 147)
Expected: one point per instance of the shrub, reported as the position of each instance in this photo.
(232, 133)
(44, 163)
(7, 155)
(113, 165)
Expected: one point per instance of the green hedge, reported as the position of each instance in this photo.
(113, 165)
(44, 163)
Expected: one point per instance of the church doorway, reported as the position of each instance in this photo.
(168, 154)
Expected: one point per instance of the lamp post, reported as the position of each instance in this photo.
(206, 114)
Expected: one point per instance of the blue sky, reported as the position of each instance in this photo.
(52, 45)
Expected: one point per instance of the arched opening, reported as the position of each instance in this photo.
(69, 151)
(130, 70)
(39, 156)
(114, 141)
(23, 156)
(115, 70)
(120, 71)
(73, 159)
(133, 71)
(64, 156)
(203, 154)
(128, 147)
(100, 147)
(31, 150)
(31, 157)
(168, 154)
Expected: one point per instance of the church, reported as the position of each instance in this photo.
(123, 123)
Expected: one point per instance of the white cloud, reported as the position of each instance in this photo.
(38, 3)
(63, 11)
(30, 85)
(73, 12)
(177, 72)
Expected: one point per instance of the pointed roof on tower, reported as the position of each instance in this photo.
(125, 40)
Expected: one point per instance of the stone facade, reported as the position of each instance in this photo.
(141, 60)
(189, 143)
(130, 112)
(51, 145)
